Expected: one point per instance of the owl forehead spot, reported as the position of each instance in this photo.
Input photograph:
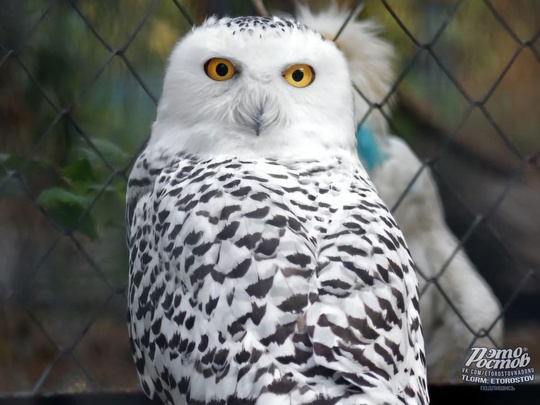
(258, 25)
(263, 22)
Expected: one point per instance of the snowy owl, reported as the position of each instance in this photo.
(449, 327)
(263, 266)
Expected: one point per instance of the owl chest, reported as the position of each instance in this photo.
(244, 234)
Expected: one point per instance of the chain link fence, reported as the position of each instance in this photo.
(80, 81)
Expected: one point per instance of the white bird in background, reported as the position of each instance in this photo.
(264, 268)
(392, 165)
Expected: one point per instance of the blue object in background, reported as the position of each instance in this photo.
(368, 148)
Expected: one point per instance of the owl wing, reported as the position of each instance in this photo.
(219, 274)
(365, 323)
(140, 241)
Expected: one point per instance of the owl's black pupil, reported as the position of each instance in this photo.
(298, 75)
(222, 69)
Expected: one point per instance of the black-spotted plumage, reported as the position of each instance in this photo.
(264, 268)
(269, 280)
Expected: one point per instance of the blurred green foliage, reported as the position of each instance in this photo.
(72, 107)
(78, 85)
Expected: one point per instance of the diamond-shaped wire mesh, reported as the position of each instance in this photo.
(80, 82)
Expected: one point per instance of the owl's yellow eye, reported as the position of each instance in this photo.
(299, 75)
(219, 69)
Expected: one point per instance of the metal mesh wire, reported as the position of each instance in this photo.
(62, 292)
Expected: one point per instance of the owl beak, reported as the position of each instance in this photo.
(258, 119)
(256, 111)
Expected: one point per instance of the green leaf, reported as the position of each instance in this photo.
(11, 162)
(69, 217)
(18, 162)
(112, 152)
(80, 172)
(58, 195)
(67, 209)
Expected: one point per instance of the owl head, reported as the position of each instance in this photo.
(256, 86)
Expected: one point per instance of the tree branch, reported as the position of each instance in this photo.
(259, 6)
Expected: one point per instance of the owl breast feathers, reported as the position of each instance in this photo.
(266, 274)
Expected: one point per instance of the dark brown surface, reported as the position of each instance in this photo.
(440, 395)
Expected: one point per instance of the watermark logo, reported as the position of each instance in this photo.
(497, 369)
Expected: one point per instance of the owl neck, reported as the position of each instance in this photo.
(210, 140)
